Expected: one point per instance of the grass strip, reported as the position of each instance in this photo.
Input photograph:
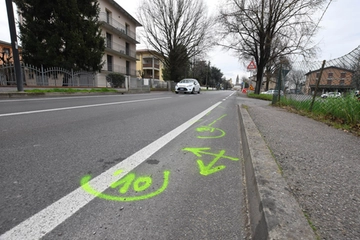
(70, 90)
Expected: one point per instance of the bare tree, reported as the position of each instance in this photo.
(177, 29)
(297, 78)
(267, 30)
(273, 68)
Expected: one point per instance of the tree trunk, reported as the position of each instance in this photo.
(259, 77)
(267, 78)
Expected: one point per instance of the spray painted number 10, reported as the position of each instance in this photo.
(139, 184)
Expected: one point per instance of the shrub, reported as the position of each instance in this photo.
(116, 79)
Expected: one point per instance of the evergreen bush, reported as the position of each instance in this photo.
(116, 79)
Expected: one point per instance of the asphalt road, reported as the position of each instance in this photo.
(141, 166)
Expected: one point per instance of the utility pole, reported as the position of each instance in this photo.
(207, 74)
(317, 85)
(14, 45)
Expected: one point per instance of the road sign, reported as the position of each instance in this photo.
(251, 66)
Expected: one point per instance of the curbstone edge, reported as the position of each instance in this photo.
(274, 212)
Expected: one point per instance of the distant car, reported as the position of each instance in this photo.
(187, 85)
(331, 94)
(273, 92)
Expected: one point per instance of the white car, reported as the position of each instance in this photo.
(187, 85)
(273, 92)
(331, 94)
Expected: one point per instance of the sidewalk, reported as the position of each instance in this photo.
(7, 89)
(320, 164)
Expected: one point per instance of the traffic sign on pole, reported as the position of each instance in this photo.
(251, 66)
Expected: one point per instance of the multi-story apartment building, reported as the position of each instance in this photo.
(119, 30)
(149, 64)
(333, 79)
(6, 56)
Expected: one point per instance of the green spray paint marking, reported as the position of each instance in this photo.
(209, 128)
(139, 184)
(217, 120)
(209, 169)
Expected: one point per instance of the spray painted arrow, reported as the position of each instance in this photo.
(209, 169)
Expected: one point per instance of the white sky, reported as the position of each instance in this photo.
(339, 34)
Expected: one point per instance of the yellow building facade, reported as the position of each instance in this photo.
(149, 64)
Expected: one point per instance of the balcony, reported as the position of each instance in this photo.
(149, 65)
(119, 69)
(103, 17)
(118, 48)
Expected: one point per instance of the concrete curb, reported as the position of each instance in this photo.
(20, 95)
(274, 212)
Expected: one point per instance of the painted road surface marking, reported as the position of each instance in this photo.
(77, 107)
(57, 98)
(47, 219)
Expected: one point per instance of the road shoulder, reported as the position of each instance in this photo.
(274, 212)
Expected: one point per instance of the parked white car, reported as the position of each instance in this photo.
(273, 92)
(331, 94)
(187, 85)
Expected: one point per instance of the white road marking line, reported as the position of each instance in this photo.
(49, 218)
(56, 98)
(77, 107)
(67, 97)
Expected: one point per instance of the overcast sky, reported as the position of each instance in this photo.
(339, 34)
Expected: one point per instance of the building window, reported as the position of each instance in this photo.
(128, 49)
(127, 27)
(330, 75)
(108, 16)
(342, 75)
(127, 68)
(110, 63)
(6, 51)
(329, 82)
(108, 40)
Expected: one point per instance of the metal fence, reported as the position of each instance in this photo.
(46, 77)
(327, 88)
(157, 84)
(138, 84)
(59, 77)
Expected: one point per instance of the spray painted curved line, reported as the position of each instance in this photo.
(84, 182)
(210, 129)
